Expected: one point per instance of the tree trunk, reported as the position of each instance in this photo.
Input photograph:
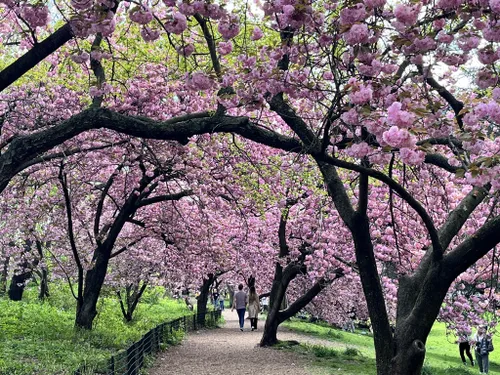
(44, 285)
(270, 335)
(230, 290)
(86, 310)
(3, 276)
(17, 285)
(201, 305)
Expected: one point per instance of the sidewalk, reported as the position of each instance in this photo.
(227, 350)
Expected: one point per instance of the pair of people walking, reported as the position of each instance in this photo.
(240, 303)
(483, 345)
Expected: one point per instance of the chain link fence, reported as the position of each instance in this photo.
(131, 360)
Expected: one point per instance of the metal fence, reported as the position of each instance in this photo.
(131, 360)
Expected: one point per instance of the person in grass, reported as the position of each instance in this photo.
(253, 308)
(464, 348)
(483, 345)
(240, 303)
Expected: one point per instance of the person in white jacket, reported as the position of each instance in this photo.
(253, 308)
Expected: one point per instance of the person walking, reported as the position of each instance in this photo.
(484, 346)
(240, 303)
(253, 308)
(464, 348)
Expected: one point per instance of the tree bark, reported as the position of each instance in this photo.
(44, 284)
(3, 276)
(201, 305)
(86, 309)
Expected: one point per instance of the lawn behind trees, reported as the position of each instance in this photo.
(354, 354)
(40, 338)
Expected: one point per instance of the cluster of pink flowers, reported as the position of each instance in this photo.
(398, 117)
(407, 14)
(399, 138)
(359, 150)
(358, 33)
(82, 4)
(256, 34)
(362, 95)
(352, 15)
(412, 157)
(199, 81)
(149, 34)
(35, 16)
(177, 23)
(225, 48)
(80, 58)
(229, 27)
(185, 50)
(141, 16)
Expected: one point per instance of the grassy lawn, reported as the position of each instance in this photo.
(39, 338)
(353, 353)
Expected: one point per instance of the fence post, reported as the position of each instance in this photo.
(131, 360)
(112, 366)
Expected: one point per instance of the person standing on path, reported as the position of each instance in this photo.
(464, 348)
(253, 307)
(240, 303)
(484, 346)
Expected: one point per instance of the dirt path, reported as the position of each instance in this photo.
(227, 350)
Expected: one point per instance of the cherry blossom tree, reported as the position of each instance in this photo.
(369, 91)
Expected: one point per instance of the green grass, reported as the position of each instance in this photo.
(353, 353)
(39, 338)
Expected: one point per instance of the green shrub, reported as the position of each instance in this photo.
(323, 351)
(351, 352)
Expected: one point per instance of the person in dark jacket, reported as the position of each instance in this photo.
(483, 346)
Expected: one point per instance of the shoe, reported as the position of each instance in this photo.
(472, 363)
(241, 329)
(465, 363)
(252, 329)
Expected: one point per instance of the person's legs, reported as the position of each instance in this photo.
(467, 351)
(486, 363)
(241, 316)
(479, 361)
(461, 347)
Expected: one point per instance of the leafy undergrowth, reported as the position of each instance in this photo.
(40, 339)
(353, 353)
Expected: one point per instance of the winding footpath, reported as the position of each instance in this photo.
(227, 350)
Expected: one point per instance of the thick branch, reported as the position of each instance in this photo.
(35, 55)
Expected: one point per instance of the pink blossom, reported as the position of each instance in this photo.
(256, 34)
(80, 58)
(412, 157)
(185, 50)
(359, 150)
(361, 96)
(199, 81)
(358, 33)
(407, 14)
(375, 3)
(82, 4)
(229, 28)
(399, 138)
(140, 16)
(177, 23)
(225, 48)
(349, 16)
(399, 118)
(35, 16)
(149, 34)
(495, 6)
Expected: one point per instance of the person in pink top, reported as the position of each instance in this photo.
(240, 303)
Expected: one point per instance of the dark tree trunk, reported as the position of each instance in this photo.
(86, 309)
(201, 305)
(133, 294)
(3, 276)
(17, 285)
(44, 285)
(230, 291)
